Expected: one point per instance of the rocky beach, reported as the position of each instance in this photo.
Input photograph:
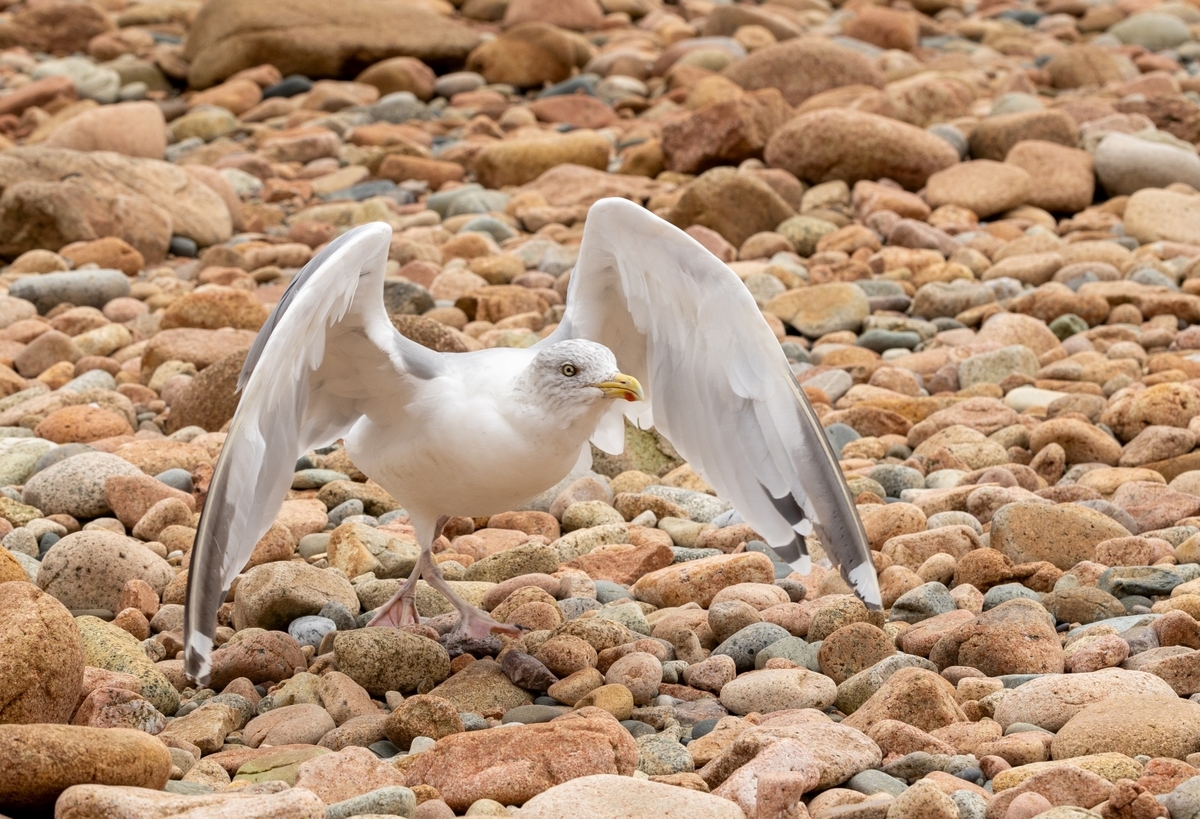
(974, 228)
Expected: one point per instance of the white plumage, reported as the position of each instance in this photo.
(478, 433)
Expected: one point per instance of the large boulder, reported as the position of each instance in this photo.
(836, 143)
(318, 39)
(51, 197)
(58, 27)
(803, 67)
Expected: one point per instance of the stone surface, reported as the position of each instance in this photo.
(525, 760)
(40, 685)
(52, 758)
(316, 40)
(623, 798)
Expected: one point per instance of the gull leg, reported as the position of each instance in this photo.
(402, 608)
(474, 623)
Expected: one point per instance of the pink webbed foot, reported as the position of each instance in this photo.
(401, 610)
(475, 624)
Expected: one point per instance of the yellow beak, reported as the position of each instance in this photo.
(621, 386)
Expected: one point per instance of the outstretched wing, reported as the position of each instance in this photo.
(326, 354)
(717, 382)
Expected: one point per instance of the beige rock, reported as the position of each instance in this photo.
(41, 657)
(1155, 215)
(699, 580)
(315, 39)
(1049, 702)
(129, 128)
(982, 186)
(1132, 724)
(1064, 534)
(82, 801)
(802, 68)
(621, 797)
(143, 201)
(834, 143)
(1064, 176)
(516, 162)
(71, 755)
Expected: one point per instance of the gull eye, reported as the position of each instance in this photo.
(569, 370)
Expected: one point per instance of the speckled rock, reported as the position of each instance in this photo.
(516, 764)
(75, 486)
(40, 685)
(52, 758)
(382, 660)
(108, 647)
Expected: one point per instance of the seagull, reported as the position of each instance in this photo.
(651, 317)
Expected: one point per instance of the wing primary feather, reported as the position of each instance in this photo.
(331, 352)
(285, 302)
(717, 382)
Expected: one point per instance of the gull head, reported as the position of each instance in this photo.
(580, 374)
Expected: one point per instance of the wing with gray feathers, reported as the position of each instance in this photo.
(326, 354)
(717, 383)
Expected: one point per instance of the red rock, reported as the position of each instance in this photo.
(724, 133)
(400, 74)
(436, 172)
(132, 496)
(291, 724)
(577, 110)
(884, 27)
(82, 423)
(513, 765)
(39, 93)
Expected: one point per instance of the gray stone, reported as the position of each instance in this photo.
(791, 648)
(19, 456)
(923, 602)
(662, 755)
(609, 592)
(970, 805)
(398, 107)
(1005, 592)
(745, 644)
(895, 478)
(75, 486)
(701, 507)
(994, 367)
(92, 379)
(882, 340)
(1125, 164)
(1149, 581)
(872, 782)
(179, 479)
(575, 607)
(85, 288)
(92, 81)
(1151, 30)
(390, 801)
(310, 629)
